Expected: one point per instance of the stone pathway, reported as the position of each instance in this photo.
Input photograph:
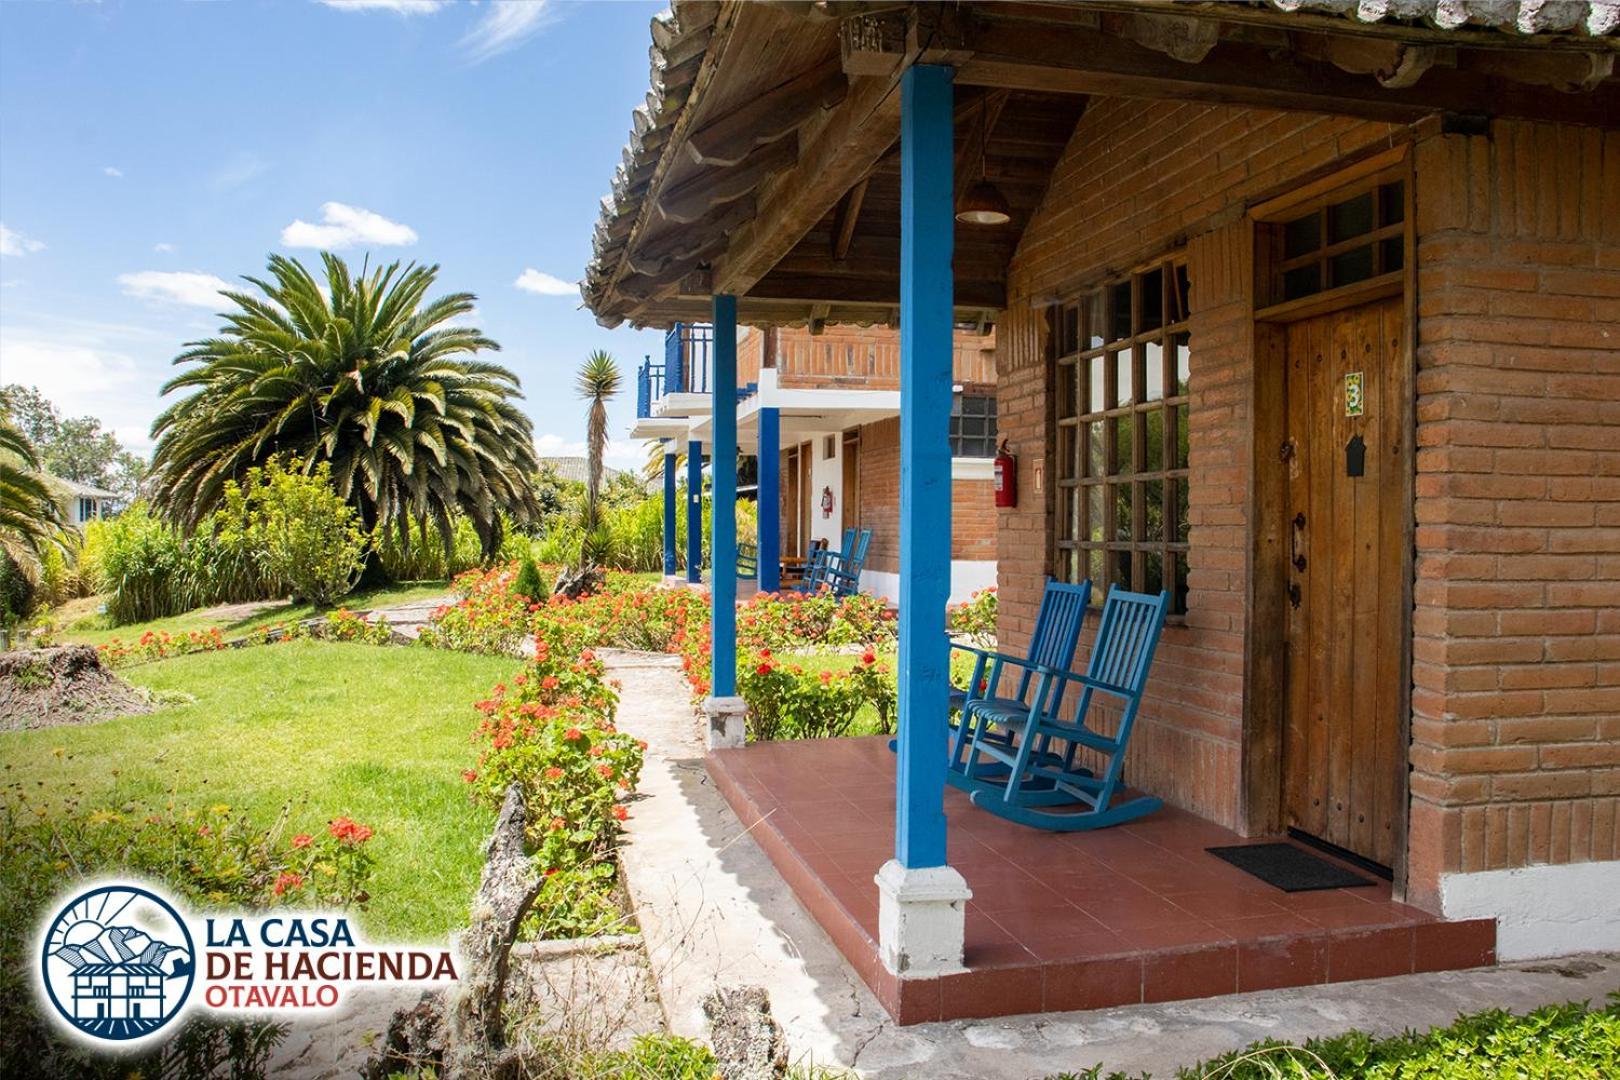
(714, 912)
(409, 618)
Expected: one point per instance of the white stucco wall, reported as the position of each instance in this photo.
(1541, 910)
(968, 576)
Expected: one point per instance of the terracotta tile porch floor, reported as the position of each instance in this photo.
(1136, 913)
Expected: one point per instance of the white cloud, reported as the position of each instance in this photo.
(176, 287)
(619, 453)
(398, 7)
(78, 378)
(15, 243)
(544, 284)
(163, 249)
(112, 171)
(240, 168)
(505, 25)
(344, 226)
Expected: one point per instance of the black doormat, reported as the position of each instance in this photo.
(1289, 868)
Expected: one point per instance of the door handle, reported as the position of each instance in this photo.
(1296, 537)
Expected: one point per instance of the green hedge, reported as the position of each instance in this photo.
(1558, 1042)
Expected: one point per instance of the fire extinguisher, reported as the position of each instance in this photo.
(826, 502)
(1006, 474)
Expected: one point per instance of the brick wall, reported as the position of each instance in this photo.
(880, 493)
(1516, 706)
(1139, 179)
(973, 512)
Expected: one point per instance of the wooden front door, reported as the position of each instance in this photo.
(1343, 759)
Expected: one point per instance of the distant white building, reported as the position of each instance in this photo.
(86, 503)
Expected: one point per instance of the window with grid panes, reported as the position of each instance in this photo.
(1122, 357)
(1355, 239)
(973, 426)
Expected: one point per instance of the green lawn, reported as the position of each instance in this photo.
(79, 622)
(378, 734)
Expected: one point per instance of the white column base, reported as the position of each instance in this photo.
(728, 722)
(922, 919)
(675, 581)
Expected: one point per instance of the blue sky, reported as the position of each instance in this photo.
(150, 147)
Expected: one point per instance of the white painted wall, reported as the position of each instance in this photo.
(968, 576)
(825, 473)
(1541, 911)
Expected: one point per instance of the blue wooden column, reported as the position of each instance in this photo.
(723, 530)
(926, 286)
(669, 509)
(770, 499)
(694, 511)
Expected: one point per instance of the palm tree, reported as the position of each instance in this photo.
(364, 373)
(598, 384)
(30, 518)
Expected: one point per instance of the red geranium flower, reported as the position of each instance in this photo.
(554, 773)
(288, 880)
(302, 840)
(620, 812)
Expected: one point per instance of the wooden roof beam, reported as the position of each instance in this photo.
(849, 213)
(1027, 54)
(768, 117)
(838, 151)
(692, 198)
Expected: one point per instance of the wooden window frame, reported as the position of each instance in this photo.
(1080, 549)
(1270, 264)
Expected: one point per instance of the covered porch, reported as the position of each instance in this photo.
(1140, 913)
(1152, 203)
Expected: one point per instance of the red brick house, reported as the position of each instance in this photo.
(1305, 312)
(836, 392)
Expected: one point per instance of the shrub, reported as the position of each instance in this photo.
(160, 645)
(140, 560)
(787, 702)
(551, 733)
(1571, 1042)
(489, 618)
(225, 560)
(790, 620)
(16, 591)
(650, 1057)
(312, 536)
(975, 619)
(345, 625)
(424, 558)
(528, 583)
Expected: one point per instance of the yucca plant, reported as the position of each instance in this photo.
(364, 373)
(598, 384)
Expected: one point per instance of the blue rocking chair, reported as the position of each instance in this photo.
(843, 567)
(815, 571)
(1041, 787)
(1051, 648)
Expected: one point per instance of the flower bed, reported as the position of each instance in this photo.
(550, 731)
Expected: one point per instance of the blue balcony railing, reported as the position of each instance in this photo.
(685, 370)
(687, 358)
(649, 386)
